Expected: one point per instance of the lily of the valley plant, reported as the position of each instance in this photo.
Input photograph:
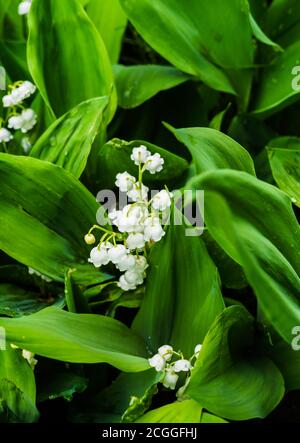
(121, 299)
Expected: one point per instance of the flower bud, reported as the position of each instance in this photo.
(89, 239)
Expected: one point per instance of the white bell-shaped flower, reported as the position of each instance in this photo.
(26, 144)
(116, 253)
(24, 7)
(126, 262)
(153, 229)
(141, 263)
(197, 350)
(140, 155)
(7, 101)
(29, 119)
(15, 122)
(154, 163)
(157, 362)
(170, 379)
(182, 365)
(166, 351)
(135, 241)
(138, 193)
(133, 277)
(131, 218)
(125, 181)
(99, 256)
(5, 135)
(161, 201)
(123, 284)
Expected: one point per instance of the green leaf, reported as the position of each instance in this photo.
(284, 158)
(136, 84)
(282, 21)
(75, 300)
(288, 361)
(254, 223)
(200, 39)
(276, 88)
(44, 214)
(187, 411)
(183, 270)
(127, 398)
(17, 388)
(60, 385)
(230, 363)
(66, 56)
(211, 149)
(209, 418)
(114, 157)
(16, 301)
(261, 36)
(111, 21)
(68, 141)
(77, 338)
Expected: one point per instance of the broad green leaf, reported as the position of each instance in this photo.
(110, 20)
(231, 273)
(77, 338)
(230, 363)
(16, 301)
(260, 35)
(211, 149)
(114, 157)
(127, 398)
(136, 84)
(200, 39)
(217, 120)
(13, 57)
(284, 158)
(44, 214)
(187, 411)
(183, 294)
(60, 385)
(66, 56)
(75, 299)
(209, 418)
(17, 388)
(278, 86)
(254, 223)
(282, 21)
(288, 361)
(68, 141)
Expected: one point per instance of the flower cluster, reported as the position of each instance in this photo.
(138, 223)
(171, 363)
(24, 7)
(18, 117)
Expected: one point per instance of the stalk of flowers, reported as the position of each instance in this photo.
(171, 363)
(138, 223)
(17, 117)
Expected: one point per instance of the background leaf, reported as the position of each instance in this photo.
(254, 223)
(62, 36)
(68, 141)
(77, 338)
(136, 84)
(187, 411)
(111, 21)
(284, 158)
(17, 388)
(211, 149)
(46, 230)
(229, 362)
